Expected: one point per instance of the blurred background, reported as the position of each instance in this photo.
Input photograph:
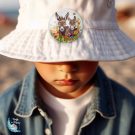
(12, 70)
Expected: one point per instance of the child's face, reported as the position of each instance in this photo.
(66, 79)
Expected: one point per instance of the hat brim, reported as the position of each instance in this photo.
(92, 45)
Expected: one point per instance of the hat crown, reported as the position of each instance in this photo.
(36, 13)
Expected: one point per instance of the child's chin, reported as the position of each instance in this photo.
(67, 89)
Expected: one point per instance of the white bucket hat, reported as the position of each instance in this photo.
(67, 30)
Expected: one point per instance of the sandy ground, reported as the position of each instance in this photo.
(122, 71)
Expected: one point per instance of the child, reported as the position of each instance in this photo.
(66, 92)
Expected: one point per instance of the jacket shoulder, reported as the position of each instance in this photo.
(7, 95)
(9, 91)
(6, 99)
(122, 95)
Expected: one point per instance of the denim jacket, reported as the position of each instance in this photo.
(111, 113)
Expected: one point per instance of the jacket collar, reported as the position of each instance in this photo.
(103, 103)
(27, 99)
(105, 98)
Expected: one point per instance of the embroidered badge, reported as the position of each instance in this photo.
(65, 26)
(13, 125)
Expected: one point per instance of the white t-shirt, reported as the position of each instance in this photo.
(66, 114)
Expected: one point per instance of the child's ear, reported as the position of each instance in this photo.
(57, 16)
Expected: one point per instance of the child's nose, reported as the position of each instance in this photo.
(68, 67)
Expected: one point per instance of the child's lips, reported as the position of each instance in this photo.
(65, 82)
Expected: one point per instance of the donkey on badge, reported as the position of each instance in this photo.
(63, 28)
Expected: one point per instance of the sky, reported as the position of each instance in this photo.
(8, 4)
